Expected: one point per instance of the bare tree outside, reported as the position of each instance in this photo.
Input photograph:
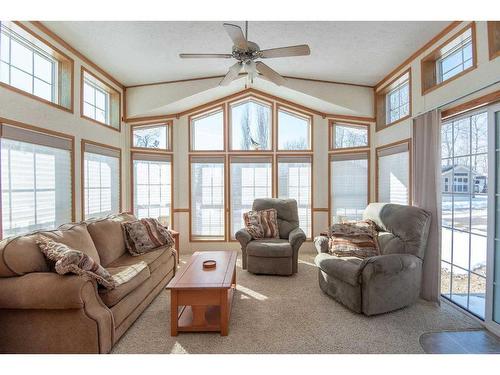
(148, 139)
(246, 138)
(349, 137)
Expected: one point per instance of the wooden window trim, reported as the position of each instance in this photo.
(192, 238)
(207, 112)
(169, 155)
(380, 101)
(407, 141)
(482, 101)
(83, 143)
(72, 159)
(366, 151)
(493, 28)
(111, 90)
(331, 136)
(429, 61)
(168, 124)
(298, 113)
(58, 55)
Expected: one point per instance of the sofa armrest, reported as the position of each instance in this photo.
(243, 237)
(296, 238)
(45, 290)
(321, 244)
(390, 264)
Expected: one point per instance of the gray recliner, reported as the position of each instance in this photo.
(381, 283)
(274, 256)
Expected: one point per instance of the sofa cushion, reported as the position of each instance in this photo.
(112, 297)
(270, 248)
(153, 259)
(345, 268)
(21, 255)
(108, 237)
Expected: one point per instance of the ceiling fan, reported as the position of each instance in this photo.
(246, 53)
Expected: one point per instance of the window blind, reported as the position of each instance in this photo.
(207, 198)
(101, 181)
(294, 181)
(36, 183)
(394, 174)
(349, 185)
(152, 186)
(251, 178)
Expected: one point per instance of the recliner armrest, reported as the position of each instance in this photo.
(243, 237)
(321, 244)
(389, 264)
(296, 237)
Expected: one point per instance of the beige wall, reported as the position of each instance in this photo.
(18, 107)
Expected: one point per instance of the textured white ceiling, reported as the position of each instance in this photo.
(347, 51)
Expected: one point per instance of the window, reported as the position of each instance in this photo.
(99, 102)
(449, 60)
(294, 131)
(207, 198)
(251, 178)
(295, 181)
(36, 180)
(101, 180)
(251, 125)
(464, 211)
(349, 178)
(34, 67)
(393, 101)
(348, 135)
(393, 168)
(152, 186)
(155, 136)
(494, 39)
(207, 131)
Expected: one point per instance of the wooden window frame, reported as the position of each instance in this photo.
(298, 113)
(83, 143)
(224, 238)
(206, 113)
(52, 133)
(494, 39)
(168, 124)
(168, 155)
(331, 135)
(114, 93)
(381, 101)
(428, 75)
(407, 141)
(67, 68)
(366, 151)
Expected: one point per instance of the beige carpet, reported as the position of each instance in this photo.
(292, 315)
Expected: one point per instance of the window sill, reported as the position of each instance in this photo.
(101, 123)
(438, 85)
(379, 128)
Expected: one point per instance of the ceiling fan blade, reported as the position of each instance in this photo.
(205, 55)
(300, 50)
(236, 35)
(269, 73)
(231, 75)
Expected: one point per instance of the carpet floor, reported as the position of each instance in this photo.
(274, 314)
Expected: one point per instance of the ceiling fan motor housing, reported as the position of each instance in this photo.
(251, 53)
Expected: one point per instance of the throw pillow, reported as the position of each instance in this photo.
(69, 260)
(145, 235)
(262, 224)
(354, 239)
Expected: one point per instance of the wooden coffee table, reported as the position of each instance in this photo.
(201, 299)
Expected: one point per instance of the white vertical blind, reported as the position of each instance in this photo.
(251, 178)
(349, 185)
(152, 188)
(101, 184)
(294, 181)
(207, 198)
(394, 175)
(36, 187)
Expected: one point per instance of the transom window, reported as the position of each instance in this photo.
(207, 131)
(155, 136)
(294, 131)
(348, 135)
(250, 123)
(455, 57)
(398, 102)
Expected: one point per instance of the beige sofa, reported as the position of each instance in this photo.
(43, 312)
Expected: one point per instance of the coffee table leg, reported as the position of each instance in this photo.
(224, 313)
(174, 312)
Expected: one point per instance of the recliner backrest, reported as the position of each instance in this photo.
(288, 215)
(407, 227)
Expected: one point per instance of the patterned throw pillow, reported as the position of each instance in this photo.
(68, 260)
(145, 235)
(262, 224)
(354, 239)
